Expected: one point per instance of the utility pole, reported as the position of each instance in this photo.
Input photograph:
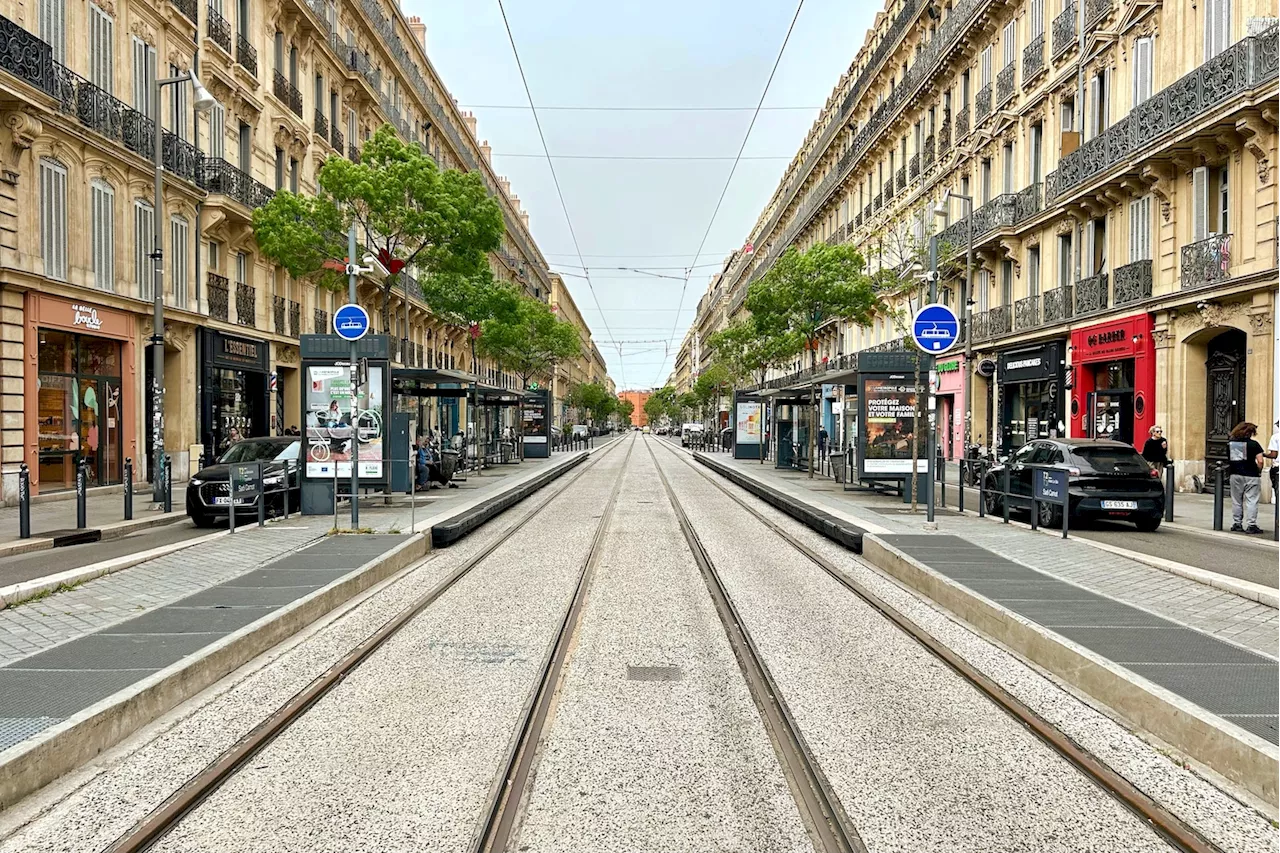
(352, 279)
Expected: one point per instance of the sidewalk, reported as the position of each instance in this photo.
(105, 512)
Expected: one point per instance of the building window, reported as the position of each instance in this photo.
(986, 181)
(1095, 246)
(1098, 103)
(984, 68)
(1006, 282)
(1037, 152)
(217, 131)
(53, 218)
(1223, 194)
(246, 148)
(214, 256)
(293, 175)
(1140, 229)
(1008, 167)
(102, 34)
(53, 26)
(1036, 20)
(1009, 42)
(1068, 115)
(1064, 259)
(179, 108)
(144, 78)
(144, 219)
(179, 254)
(279, 168)
(103, 237)
(1143, 62)
(984, 290)
(1217, 27)
(1033, 271)
(1211, 208)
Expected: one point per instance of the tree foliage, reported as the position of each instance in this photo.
(625, 409)
(527, 338)
(661, 404)
(749, 348)
(593, 399)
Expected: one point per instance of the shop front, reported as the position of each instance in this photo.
(951, 407)
(1114, 380)
(1031, 382)
(79, 387)
(235, 377)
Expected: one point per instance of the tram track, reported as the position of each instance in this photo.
(161, 820)
(814, 794)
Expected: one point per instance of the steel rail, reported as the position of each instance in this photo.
(161, 820)
(498, 829)
(1168, 825)
(829, 827)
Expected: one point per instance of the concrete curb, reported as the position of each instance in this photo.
(28, 766)
(1239, 756)
(115, 530)
(26, 590)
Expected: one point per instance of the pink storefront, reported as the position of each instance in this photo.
(951, 406)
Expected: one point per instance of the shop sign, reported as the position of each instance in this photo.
(1029, 366)
(85, 317)
(1104, 344)
(948, 366)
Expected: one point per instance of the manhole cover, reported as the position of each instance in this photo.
(654, 673)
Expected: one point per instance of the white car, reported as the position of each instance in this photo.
(690, 433)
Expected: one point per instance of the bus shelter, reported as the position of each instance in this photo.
(434, 399)
(498, 422)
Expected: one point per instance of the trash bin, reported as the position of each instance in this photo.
(448, 463)
(508, 451)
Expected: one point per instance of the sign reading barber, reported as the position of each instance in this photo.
(935, 328)
(351, 322)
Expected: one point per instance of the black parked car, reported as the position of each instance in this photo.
(209, 492)
(1106, 479)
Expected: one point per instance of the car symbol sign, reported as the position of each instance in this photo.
(351, 322)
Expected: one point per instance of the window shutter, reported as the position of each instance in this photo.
(143, 244)
(1093, 106)
(144, 75)
(101, 49)
(1143, 57)
(986, 65)
(217, 131)
(103, 237)
(1086, 264)
(53, 219)
(52, 16)
(1200, 204)
(1010, 42)
(179, 252)
(1037, 19)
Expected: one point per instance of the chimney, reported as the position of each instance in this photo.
(505, 184)
(486, 150)
(524, 217)
(515, 202)
(470, 119)
(419, 31)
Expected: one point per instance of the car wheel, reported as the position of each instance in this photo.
(202, 520)
(1148, 524)
(1049, 515)
(992, 501)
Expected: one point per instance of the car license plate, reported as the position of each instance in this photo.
(222, 500)
(1119, 504)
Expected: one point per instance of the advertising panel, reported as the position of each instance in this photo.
(748, 422)
(888, 405)
(335, 434)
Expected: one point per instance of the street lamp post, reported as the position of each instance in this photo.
(966, 298)
(203, 102)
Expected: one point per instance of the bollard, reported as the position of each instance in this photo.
(231, 499)
(960, 469)
(128, 488)
(262, 496)
(168, 483)
(1004, 500)
(82, 494)
(982, 496)
(24, 502)
(1217, 498)
(1168, 492)
(1035, 509)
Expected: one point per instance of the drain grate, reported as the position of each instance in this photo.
(654, 673)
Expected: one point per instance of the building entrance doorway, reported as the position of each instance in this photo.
(1225, 384)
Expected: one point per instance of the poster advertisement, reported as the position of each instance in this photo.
(334, 436)
(748, 425)
(889, 404)
(533, 420)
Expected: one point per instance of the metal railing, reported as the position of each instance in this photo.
(914, 167)
(295, 319)
(1057, 304)
(982, 104)
(321, 125)
(246, 305)
(278, 314)
(1064, 30)
(218, 29)
(219, 176)
(287, 92)
(218, 289)
(1033, 59)
(320, 321)
(1206, 261)
(189, 8)
(928, 152)
(1026, 313)
(1092, 294)
(962, 123)
(246, 54)
(1133, 283)
(1000, 320)
(1004, 84)
(1095, 11)
(336, 139)
(944, 137)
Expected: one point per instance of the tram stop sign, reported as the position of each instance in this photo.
(935, 329)
(351, 322)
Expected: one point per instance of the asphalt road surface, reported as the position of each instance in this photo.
(38, 564)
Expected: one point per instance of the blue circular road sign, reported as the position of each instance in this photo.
(351, 322)
(935, 328)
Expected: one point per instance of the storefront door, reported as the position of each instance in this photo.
(1225, 384)
(79, 416)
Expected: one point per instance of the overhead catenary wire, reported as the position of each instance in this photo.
(729, 180)
(556, 180)
(622, 109)
(657, 157)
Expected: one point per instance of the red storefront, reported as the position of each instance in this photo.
(1114, 380)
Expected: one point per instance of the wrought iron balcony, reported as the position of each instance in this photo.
(246, 55)
(1206, 262)
(1095, 11)
(1000, 212)
(1027, 203)
(1057, 304)
(915, 166)
(1133, 282)
(1026, 313)
(1032, 60)
(981, 325)
(1000, 320)
(962, 123)
(287, 92)
(982, 104)
(1092, 294)
(944, 137)
(320, 320)
(336, 140)
(1064, 30)
(246, 305)
(353, 153)
(321, 125)
(928, 152)
(189, 8)
(219, 297)
(278, 314)
(295, 319)
(878, 203)
(218, 29)
(1004, 85)
(901, 182)
(219, 176)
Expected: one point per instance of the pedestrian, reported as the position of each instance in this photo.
(822, 442)
(1244, 456)
(1156, 450)
(1273, 451)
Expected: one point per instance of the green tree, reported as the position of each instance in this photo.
(406, 211)
(529, 340)
(625, 409)
(661, 404)
(804, 291)
(751, 347)
(593, 399)
(709, 387)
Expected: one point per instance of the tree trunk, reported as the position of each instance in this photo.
(813, 406)
(474, 414)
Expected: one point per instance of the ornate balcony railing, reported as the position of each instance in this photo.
(336, 140)
(320, 321)
(878, 203)
(295, 319)
(1000, 320)
(287, 92)
(901, 182)
(219, 176)
(1027, 203)
(1004, 84)
(998, 213)
(1026, 313)
(321, 125)
(246, 305)
(928, 152)
(1095, 11)
(1057, 304)
(246, 55)
(188, 8)
(1032, 60)
(962, 123)
(981, 325)
(218, 29)
(1240, 68)
(353, 153)
(982, 104)
(1064, 30)
(1092, 294)
(1206, 262)
(219, 297)
(1132, 283)
(278, 314)
(914, 169)
(944, 137)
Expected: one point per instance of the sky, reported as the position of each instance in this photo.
(647, 216)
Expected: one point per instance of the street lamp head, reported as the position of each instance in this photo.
(203, 101)
(940, 209)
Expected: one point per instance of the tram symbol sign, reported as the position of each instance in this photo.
(935, 329)
(351, 322)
